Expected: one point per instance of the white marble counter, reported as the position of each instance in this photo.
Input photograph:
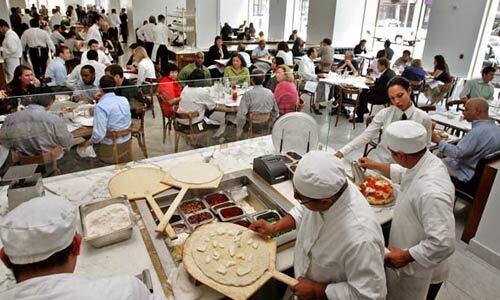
(91, 185)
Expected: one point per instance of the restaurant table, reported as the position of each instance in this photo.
(453, 120)
(337, 79)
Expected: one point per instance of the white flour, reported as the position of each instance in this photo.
(107, 219)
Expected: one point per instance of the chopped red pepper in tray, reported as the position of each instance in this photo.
(216, 198)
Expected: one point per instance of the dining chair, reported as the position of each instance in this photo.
(150, 93)
(190, 132)
(137, 129)
(49, 157)
(260, 118)
(348, 96)
(117, 154)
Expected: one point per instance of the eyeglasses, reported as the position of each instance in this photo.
(298, 197)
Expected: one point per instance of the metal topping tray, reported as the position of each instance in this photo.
(109, 238)
(199, 218)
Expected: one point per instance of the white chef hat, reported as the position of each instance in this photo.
(319, 175)
(405, 136)
(38, 228)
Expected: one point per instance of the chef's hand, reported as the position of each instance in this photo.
(398, 258)
(263, 228)
(307, 289)
(365, 162)
(339, 154)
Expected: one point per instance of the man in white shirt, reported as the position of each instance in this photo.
(39, 44)
(339, 248)
(12, 49)
(422, 236)
(307, 71)
(75, 78)
(102, 57)
(402, 108)
(160, 53)
(55, 19)
(114, 23)
(93, 33)
(146, 34)
(41, 246)
(56, 70)
(26, 17)
(196, 98)
(56, 36)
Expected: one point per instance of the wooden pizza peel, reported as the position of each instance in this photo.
(233, 292)
(185, 186)
(142, 183)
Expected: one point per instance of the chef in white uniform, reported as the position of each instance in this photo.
(41, 246)
(340, 247)
(422, 235)
(12, 50)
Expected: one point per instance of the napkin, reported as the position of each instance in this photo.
(86, 151)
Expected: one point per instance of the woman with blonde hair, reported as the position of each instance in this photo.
(285, 93)
(144, 65)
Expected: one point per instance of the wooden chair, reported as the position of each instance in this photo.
(416, 88)
(450, 103)
(373, 143)
(167, 121)
(428, 108)
(191, 131)
(151, 92)
(116, 155)
(301, 91)
(259, 118)
(349, 96)
(45, 158)
(137, 129)
(446, 91)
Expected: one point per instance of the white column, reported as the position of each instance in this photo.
(207, 21)
(320, 20)
(280, 19)
(233, 14)
(459, 30)
(5, 10)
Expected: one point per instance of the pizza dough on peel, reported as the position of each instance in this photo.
(229, 254)
(195, 173)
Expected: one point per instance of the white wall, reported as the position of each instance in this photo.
(454, 29)
(18, 3)
(233, 12)
(486, 243)
(207, 22)
(5, 10)
(348, 23)
(280, 19)
(140, 10)
(320, 20)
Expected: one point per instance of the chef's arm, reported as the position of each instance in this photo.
(267, 229)
(384, 168)
(285, 224)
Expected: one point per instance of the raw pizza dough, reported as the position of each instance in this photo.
(195, 173)
(215, 250)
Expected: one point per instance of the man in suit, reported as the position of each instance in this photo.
(377, 94)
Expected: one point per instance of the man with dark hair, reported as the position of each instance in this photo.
(41, 246)
(87, 89)
(377, 94)
(325, 52)
(256, 100)
(111, 113)
(39, 43)
(307, 72)
(160, 38)
(12, 49)
(404, 61)
(94, 31)
(75, 78)
(388, 50)
(146, 34)
(101, 56)
(114, 23)
(199, 58)
(34, 131)
(57, 35)
(125, 87)
(124, 25)
(56, 70)
(480, 88)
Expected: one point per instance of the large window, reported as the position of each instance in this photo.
(300, 16)
(259, 7)
(259, 15)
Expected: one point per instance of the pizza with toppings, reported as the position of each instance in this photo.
(378, 191)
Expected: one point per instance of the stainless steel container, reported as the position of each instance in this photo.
(357, 173)
(112, 237)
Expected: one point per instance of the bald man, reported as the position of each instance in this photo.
(199, 59)
(482, 140)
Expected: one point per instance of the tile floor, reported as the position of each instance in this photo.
(470, 278)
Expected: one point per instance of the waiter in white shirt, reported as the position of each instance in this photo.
(402, 108)
(93, 33)
(307, 72)
(41, 246)
(422, 235)
(146, 34)
(39, 44)
(160, 37)
(339, 247)
(55, 19)
(12, 49)
(114, 23)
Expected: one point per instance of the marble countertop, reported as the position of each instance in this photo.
(91, 185)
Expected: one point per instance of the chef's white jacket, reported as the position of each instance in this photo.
(342, 247)
(11, 44)
(382, 119)
(94, 34)
(423, 222)
(68, 286)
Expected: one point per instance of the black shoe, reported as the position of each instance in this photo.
(317, 112)
(357, 120)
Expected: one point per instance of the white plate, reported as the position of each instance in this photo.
(84, 121)
(295, 129)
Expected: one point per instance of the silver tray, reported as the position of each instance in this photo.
(109, 238)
